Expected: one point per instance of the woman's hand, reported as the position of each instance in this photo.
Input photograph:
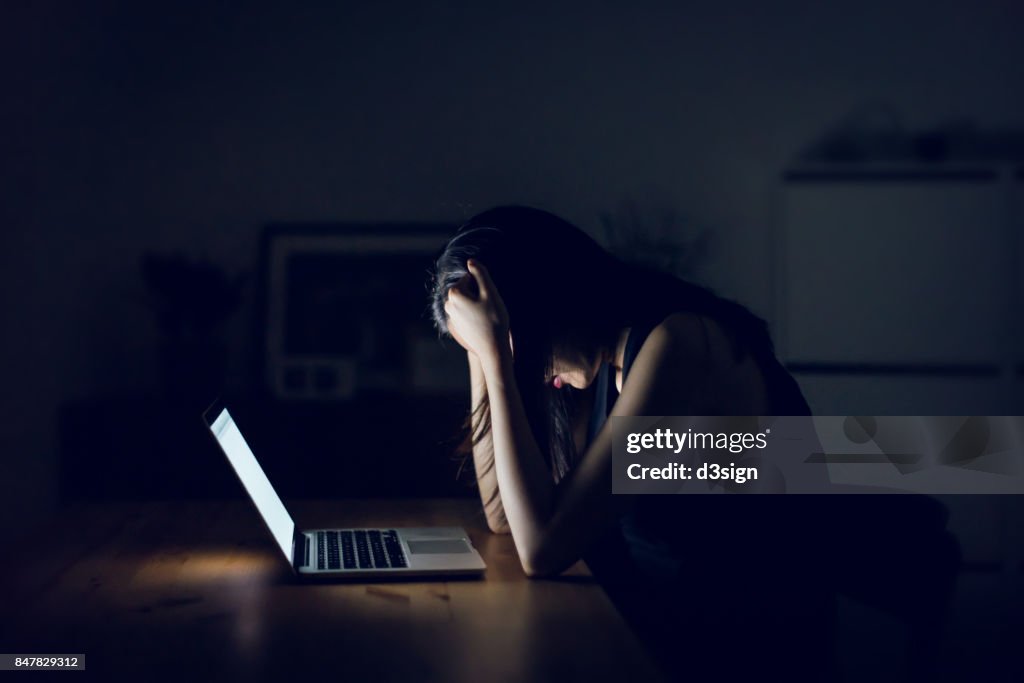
(478, 321)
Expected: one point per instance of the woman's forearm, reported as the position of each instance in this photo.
(483, 453)
(526, 485)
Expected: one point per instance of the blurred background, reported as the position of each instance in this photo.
(203, 199)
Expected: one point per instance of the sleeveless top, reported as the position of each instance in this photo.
(675, 559)
(640, 559)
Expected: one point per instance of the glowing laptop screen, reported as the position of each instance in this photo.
(255, 481)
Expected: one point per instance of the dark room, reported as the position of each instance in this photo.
(452, 341)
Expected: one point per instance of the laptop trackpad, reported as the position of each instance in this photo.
(438, 547)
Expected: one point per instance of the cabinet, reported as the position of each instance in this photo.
(899, 290)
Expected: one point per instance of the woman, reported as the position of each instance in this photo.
(560, 335)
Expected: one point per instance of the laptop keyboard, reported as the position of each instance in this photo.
(359, 549)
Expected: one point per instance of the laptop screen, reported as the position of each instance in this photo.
(255, 481)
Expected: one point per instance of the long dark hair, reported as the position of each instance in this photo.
(563, 290)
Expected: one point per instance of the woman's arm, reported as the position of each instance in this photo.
(483, 453)
(553, 525)
(527, 486)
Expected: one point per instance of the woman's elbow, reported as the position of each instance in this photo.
(498, 526)
(532, 571)
(538, 566)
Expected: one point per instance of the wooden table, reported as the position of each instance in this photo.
(196, 590)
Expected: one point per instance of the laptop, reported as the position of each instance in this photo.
(364, 553)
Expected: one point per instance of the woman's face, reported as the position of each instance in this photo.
(574, 368)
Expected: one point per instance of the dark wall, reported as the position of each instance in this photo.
(127, 129)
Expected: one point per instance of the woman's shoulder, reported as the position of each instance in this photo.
(692, 358)
(686, 328)
(687, 335)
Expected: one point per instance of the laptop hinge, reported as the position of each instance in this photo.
(300, 549)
